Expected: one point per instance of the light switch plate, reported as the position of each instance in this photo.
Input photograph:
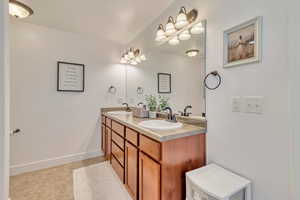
(236, 104)
(253, 104)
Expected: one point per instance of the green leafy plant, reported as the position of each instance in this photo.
(163, 102)
(151, 102)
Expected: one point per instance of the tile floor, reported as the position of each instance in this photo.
(48, 184)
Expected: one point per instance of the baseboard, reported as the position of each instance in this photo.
(43, 164)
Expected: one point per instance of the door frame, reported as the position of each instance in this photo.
(4, 100)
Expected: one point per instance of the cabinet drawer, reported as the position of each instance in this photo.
(150, 147)
(132, 136)
(119, 128)
(118, 168)
(118, 153)
(118, 140)
(108, 122)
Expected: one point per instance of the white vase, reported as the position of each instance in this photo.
(152, 114)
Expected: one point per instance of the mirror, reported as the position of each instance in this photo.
(170, 71)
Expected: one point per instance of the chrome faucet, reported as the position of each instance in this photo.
(171, 116)
(185, 113)
(127, 107)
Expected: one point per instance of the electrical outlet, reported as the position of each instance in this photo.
(236, 104)
(253, 105)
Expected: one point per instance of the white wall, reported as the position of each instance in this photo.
(294, 63)
(255, 146)
(4, 101)
(58, 127)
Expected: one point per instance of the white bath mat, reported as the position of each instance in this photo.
(98, 182)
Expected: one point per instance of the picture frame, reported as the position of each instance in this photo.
(70, 77)
(164, 83)
(242, 43)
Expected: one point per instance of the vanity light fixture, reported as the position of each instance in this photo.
(192, 52)
(133, 57)
(185, 25)
(19, 10)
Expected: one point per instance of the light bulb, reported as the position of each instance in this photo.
(130, 54)
(133, 62)
(174, 41)
(170, 28)
(181, 20)
(160, 30)
(185, 35)
(199, 24)
(143, 57)
(197, 29)
(138, 59)
(126, 56)
(160, 38)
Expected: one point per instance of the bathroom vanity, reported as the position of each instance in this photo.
(152, 164)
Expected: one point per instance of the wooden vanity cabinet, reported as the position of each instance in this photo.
(152, 170)
(131, 169)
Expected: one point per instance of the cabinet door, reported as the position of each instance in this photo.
(108, 143)
(103, 138)
(149, 178)
(131, 169)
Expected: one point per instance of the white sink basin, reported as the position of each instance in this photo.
(119, 113)
(160, 125)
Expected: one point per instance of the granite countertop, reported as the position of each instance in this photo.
(159, 135)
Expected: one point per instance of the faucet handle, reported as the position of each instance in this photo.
(188, 114)
(174, 118)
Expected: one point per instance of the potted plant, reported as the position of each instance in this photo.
(163, 102)
(152, 105)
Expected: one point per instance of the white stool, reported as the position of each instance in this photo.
(213, 182)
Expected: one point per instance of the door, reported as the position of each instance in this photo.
(131, 169)
(149, 178)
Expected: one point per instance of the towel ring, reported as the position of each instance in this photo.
(215, 74)
(112, 90)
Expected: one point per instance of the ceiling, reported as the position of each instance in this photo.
(116, 20)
